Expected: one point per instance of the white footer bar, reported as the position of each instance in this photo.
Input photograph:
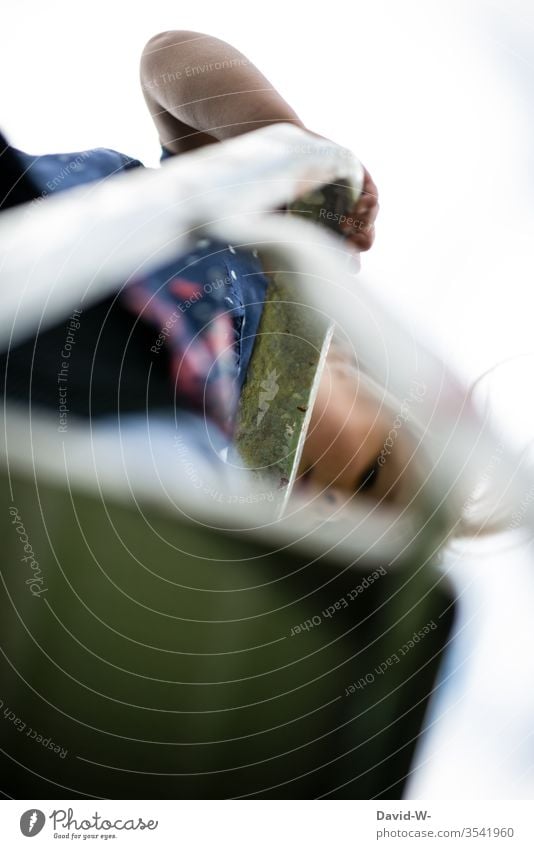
(268, 824)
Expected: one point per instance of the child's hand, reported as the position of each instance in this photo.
(359, 230)
(362, 233)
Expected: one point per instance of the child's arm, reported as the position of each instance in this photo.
(200, 89)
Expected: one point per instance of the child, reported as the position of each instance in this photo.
(199, 91)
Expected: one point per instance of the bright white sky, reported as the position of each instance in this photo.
(434, 97)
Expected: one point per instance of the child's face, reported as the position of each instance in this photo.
(352, 447)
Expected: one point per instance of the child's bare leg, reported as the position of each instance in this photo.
(200, 90)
